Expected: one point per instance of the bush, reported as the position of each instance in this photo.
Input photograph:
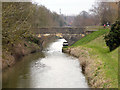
(113, 38)
(33, 39)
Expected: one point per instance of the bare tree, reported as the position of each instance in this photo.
(106, 11)
(85, 19)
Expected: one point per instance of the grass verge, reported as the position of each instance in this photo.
(95, 45)
(90, 37)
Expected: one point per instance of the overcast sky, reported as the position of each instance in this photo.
(68, 7)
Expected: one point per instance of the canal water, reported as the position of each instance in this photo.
(49, 69)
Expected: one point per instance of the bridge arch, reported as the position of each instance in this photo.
(71, 34)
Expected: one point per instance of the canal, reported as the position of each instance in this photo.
(47, 69)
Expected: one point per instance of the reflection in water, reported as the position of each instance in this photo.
(55, 70)
(18, 75)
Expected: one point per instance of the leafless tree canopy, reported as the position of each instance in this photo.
(101, 13)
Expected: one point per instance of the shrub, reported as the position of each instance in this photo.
(33, 39)
(113, 38)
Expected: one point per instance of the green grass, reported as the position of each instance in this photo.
(109, 59)
(91, 37)
(96, 27)
(99, 50)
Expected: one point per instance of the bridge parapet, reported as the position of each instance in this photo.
(63, 30)
(71, 34)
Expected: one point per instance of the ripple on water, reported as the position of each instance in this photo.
(55, 70)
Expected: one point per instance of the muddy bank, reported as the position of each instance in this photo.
(23, 48)
(91, 67)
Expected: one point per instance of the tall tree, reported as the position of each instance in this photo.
(106, 11)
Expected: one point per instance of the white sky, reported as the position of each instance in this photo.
(68, 7)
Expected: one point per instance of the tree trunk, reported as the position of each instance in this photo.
(119, 11)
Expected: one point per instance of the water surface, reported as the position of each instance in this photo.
(50, 69)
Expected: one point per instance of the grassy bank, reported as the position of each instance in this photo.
(24, 47)
(106, 62)
(14, 52)
(90, 37)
